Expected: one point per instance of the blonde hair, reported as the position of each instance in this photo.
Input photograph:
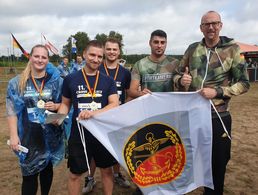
(26, 73)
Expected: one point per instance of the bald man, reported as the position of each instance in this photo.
(214, 67)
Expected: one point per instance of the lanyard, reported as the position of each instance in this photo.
(88, 84)
(39, 90)
(106, 69)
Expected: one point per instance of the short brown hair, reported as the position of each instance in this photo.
(114, 40)
(94, 43)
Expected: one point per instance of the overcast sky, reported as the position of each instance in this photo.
(134, 19)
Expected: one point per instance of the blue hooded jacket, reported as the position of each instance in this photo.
(44, 141)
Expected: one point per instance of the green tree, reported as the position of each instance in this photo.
(55, 59)
(67, 48)
(101, 37)
(82, 39)
(112, 34)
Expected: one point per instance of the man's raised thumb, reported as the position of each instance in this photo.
(186, 70)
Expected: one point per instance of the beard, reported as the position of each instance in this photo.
(158, 53)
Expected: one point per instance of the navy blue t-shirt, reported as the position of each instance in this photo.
(123, 80)
(75, 88)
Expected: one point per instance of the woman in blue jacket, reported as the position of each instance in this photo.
(29, 95)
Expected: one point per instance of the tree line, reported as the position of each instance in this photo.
(81, 40)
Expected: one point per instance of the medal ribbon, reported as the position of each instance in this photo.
(106, 69)
(39, 90)
(88, 84)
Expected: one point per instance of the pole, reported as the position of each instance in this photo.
(8, 58)
(71, 57)
(13, 58)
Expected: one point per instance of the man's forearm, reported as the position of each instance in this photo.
(134, 93)
(63, 109)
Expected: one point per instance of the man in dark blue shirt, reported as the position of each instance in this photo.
(112, 68)
(90, 92)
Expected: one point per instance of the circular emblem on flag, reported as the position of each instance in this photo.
(154, 155)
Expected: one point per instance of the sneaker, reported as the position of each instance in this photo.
(121, 181)
(89, 185)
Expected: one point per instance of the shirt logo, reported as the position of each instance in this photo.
(157, 77)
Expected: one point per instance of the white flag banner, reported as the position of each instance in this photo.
(163, 140)
(73, 43)
(50, 46)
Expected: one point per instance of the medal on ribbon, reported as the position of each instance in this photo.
(93, 105)
(106, 69)
(40, 103)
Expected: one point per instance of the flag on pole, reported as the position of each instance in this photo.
(50, 46)
(16, 44)
(73, 43)
(163, 140)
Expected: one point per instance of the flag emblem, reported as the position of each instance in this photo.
(154, 155)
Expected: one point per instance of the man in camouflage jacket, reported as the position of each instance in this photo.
(215, 68)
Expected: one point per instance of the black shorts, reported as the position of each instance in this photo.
(77, 160)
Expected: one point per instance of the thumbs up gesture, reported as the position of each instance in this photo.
(186, 79)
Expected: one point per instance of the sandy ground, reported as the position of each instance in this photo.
(242, 172)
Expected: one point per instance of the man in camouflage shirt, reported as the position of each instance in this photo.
(214, 67)
(153, 73)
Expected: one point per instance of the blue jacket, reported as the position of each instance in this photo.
(64, 71)
(44, 141)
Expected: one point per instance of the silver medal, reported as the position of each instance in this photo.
(93, 106)
(41, 104)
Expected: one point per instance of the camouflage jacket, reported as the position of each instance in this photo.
(225, 70)
(157, 77)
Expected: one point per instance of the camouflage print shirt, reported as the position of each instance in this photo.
(225, 70)
(157, 77)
